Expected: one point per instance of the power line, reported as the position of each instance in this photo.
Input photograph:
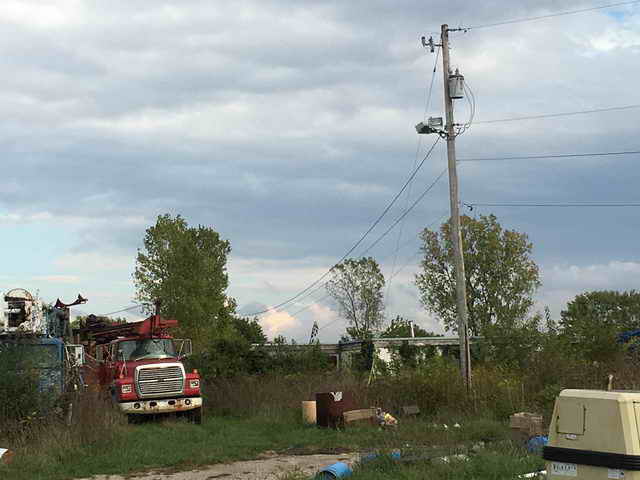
(439, 220)
(551, 15)
(561, 155)
(433, 76)
(409, 190)
(373, 225)
(406, 212)
(323, 284)
(562, 114)
(553, 204)
(133, 307)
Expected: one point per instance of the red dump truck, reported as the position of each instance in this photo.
(141, 365)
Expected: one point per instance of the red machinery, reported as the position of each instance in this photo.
(141, 366)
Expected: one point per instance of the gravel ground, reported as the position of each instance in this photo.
(271, 468)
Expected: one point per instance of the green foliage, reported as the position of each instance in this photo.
(501, 276)
(19, 396)
(250, 330)
(592, 321)
(511, 345)
(80, 320)
(291, 358)
(185, 268)
(357, 288)
(231, 354)
(401, 328)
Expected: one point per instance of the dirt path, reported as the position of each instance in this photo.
(271, 468)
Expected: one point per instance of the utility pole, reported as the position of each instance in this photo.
(456, 238)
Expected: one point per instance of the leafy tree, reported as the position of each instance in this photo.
(250, 330)
(401, 328)
(356, 286)
(19, 394)
(185, 267)
(593, 320)
(501, 277)
(408, 355)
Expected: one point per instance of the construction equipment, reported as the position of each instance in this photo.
(40, 336)
(140, 365)
(594, 434)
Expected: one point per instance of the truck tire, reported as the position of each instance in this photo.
(195, 416)
(133, 419)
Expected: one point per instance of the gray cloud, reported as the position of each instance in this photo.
(289, 126)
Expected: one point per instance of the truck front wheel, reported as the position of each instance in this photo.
(195, 416)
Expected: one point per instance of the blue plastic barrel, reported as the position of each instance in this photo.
(337, 470)
(537, 443)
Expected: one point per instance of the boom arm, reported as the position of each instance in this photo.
(104, 333)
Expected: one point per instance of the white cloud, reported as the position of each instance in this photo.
(276, 323)
(93, 262)
(612, 275)
(561, 283)
(289, 140)
(43, 14)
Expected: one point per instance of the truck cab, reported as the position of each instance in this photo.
(144, 373)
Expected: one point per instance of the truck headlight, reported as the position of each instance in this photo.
(127, 388)
(194, 383)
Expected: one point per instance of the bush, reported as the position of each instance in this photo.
(19, 396)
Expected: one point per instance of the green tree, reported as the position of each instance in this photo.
(593, 320)
(250, 330)
(501, 276)
(401, 328)
(357, 288)
(186, 268)
(19, 395)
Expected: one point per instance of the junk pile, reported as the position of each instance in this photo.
(6, 456)
(338, 409)
(528, 430)
(385, 419)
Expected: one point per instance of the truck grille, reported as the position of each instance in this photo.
(160, 381)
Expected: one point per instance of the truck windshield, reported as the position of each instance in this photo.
(147, 348)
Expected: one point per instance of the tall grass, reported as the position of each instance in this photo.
(436, 387)
(265, 412)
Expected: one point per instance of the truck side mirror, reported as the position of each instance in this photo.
(184, 347)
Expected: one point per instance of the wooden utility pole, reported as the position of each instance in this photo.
(456, 238)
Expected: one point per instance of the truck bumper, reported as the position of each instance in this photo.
(164, 405)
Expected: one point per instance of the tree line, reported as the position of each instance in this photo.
(186, 267)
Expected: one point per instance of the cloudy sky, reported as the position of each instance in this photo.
(288, 126)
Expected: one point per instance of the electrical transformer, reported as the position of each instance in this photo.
(594, 435)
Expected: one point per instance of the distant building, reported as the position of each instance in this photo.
(343, 354)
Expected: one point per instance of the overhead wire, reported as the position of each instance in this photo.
(406, 212)
(133, 307)
(553, 204)
(551, 15)
(403, 215)
(362, 238)
(560, 114)
(370, 247)
(406, 264)
(429, 93)
(549, 156)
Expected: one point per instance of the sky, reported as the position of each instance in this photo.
(288, 127)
